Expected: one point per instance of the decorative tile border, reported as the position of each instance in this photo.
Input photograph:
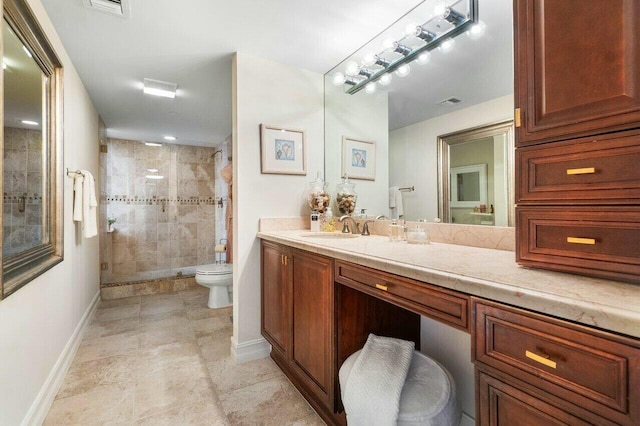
(176, 201)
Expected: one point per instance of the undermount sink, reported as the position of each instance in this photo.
(329, 235)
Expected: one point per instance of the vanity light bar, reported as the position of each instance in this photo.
(459, 24)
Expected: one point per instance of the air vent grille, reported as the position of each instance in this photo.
(449, 102)
(113, 7)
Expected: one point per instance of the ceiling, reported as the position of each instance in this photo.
(191, 43)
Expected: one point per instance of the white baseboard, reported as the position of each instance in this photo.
(466, 420)
(249, 351)
(40, 407)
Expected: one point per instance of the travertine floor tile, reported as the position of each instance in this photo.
(151, 338)
(106, 404)
(216, 346)
(118, 344)
(117, 313)
(228, 376)
(105, 304)
(175, 318)
(157, 304)
(207, 326)
(154, 361)
(172, 388)
(206, 412)
(312, 420)
(272, 402)
(88, 375)
(111, 328)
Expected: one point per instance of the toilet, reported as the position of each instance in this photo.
(218, 278)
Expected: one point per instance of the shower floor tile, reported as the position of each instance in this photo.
(165, 359)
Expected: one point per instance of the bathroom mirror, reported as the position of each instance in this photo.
(464, 85)
(475, 176)
(31, 144)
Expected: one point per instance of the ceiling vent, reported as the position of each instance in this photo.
(449, 102)
(113, 7)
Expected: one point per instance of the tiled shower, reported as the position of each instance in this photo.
(163, 204)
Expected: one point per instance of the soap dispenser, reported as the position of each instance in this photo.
(396, 231)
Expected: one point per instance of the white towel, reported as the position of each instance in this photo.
(372, 393)
(395, 202)
(78, 180)
(85, 203)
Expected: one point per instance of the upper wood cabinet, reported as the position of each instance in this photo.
(577, 68)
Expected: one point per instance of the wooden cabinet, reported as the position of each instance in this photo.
(578, 144)
(576, 67)
(537, 367)
(298, 319)
(275, 303)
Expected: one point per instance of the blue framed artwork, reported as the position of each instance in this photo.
(358, 158)
(282, 150)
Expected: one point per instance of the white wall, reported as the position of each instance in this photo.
(274, 94)
(360, 116)
(413, 152)
(38, 320)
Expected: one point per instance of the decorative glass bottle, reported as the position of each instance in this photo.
(318, 197)
(346, 196)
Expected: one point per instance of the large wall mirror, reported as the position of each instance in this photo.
(475, 176)
(462, 83)
(31, 145)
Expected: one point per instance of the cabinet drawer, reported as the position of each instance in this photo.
(444, 305)
(602, 242)
(595, 171)
(571, 362)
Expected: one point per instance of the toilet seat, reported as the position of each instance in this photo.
(214, 269)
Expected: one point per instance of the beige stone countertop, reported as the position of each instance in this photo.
(487, 273)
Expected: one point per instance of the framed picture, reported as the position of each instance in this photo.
(358, 159)
(283, 151)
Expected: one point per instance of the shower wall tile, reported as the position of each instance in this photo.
(161, 224)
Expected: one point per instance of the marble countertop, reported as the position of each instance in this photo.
(487, 273)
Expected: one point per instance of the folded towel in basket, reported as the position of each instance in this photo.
(372, 392)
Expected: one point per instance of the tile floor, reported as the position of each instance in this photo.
(165, 360)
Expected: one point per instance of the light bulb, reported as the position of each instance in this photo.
(338, 79)
(385, 80)
(440, 8)
(388, 44)
(403, 70)
(352, 68)
(369, 59)
(477, 30)
(424, 58)
(4, 65)
(411, 29)
(447, 45)
(370, 88)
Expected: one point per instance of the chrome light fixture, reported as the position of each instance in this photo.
(446, 20)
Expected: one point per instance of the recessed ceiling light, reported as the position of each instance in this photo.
(29, 122)
(156, 177)
(152, 170)
(170, 138)
(4, 65)
(27, 51)
(152, 144)
(160, 88)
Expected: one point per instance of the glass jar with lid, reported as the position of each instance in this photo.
(346, 196)
(318, 197)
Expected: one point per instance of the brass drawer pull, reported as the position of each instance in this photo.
(544, 360)
(381, 287)
(583, 171)
(586, 241)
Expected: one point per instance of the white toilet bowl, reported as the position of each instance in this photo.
(219, 280)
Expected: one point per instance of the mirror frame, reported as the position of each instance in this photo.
(444, 180)
(20, 268)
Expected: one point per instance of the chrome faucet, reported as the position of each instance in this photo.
(345, 226)
(381, 217)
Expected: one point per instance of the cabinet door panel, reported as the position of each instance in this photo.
(312, 319)
(577, 68)
(275, 315)
(504, 405)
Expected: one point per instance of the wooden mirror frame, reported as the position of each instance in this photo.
(20, 268)
(485, 131)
